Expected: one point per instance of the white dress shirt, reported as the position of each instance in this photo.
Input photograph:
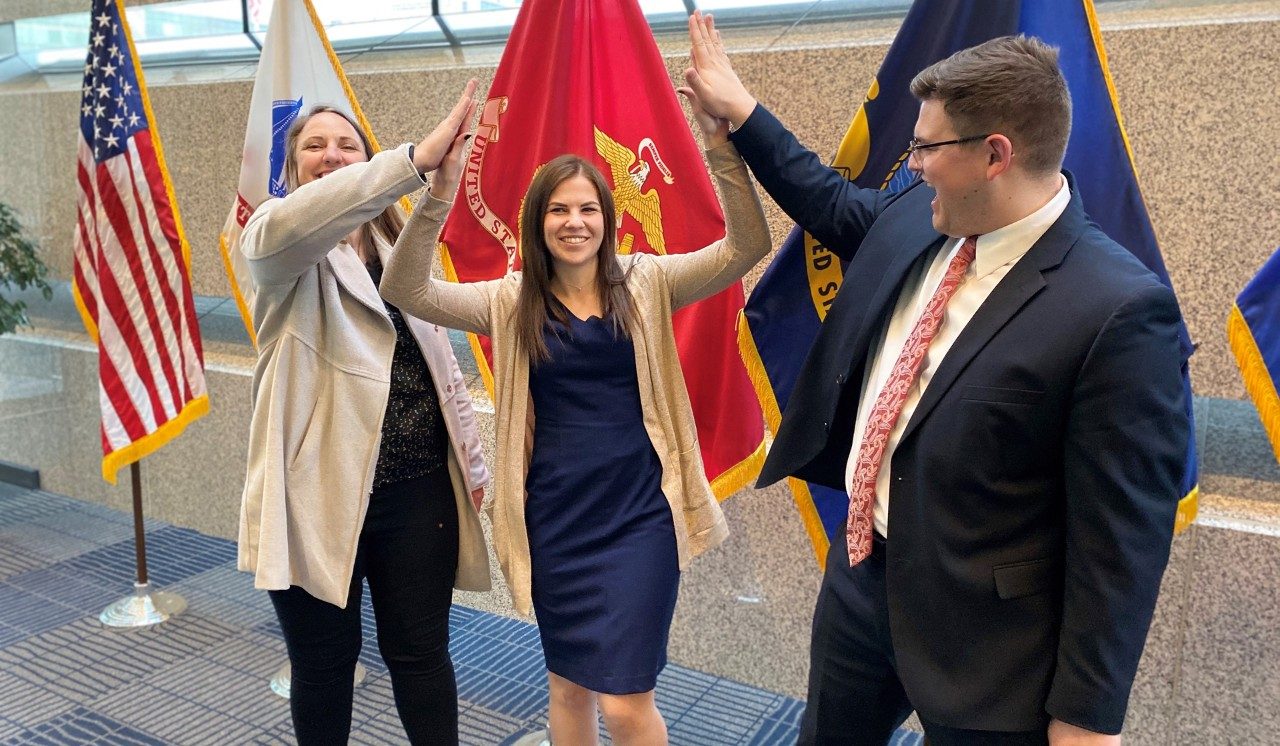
(997, 252)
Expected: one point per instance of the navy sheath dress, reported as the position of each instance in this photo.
(601, 538)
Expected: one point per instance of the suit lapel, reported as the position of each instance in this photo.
(1018, 287)
(911, 240)
(1013, 292)
(354, 278)
(886, 293)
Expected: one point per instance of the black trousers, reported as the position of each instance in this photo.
(408, 552)
(855, 697)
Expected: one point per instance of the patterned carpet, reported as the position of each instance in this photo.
(201, 678)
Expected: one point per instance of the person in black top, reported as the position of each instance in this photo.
(364, 463)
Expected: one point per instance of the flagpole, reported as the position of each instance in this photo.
(139, 531)
(145, 607)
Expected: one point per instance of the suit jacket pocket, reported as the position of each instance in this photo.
(998, 395)
(1018, 579)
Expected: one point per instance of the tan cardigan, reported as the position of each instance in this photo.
(659, 285)
(320, 387)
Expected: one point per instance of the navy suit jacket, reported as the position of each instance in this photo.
(1034, 488)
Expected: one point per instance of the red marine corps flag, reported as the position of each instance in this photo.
(585, 77)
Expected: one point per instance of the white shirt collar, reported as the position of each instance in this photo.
(1008, 244)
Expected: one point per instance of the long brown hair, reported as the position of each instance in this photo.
(536, 303)
(388, 224)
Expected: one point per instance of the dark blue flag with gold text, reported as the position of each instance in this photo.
(790, 302)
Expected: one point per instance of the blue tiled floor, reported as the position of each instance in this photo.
(201, 677)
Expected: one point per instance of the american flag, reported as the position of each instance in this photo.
(132, 279)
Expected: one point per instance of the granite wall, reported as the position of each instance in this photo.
(1197, 94)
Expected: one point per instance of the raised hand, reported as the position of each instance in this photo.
(715, 130)
(444, 182)
(428, 154)
(712, 81)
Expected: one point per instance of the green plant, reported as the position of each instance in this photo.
(20, 267)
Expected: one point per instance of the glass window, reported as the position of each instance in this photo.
(361, 25)
(779, 11)
(207, 30)
(492, 22)
(196, 30)
(8, 41)
(448, 7)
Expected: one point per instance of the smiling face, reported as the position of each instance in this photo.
(326, 143)
(573, 225)
(957, 173)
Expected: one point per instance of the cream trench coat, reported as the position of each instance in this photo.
(659, 285)
(320, 387)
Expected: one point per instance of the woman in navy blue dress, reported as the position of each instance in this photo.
(601, 540)
(600, 504)
(601, 536)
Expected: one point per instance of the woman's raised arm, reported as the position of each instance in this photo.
(407, 282)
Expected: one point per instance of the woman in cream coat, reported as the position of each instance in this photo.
(601, 498)
(364, 460)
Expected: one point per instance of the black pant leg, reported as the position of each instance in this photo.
(855, 696)
(324, 643)
(939, 735)
(411, 550)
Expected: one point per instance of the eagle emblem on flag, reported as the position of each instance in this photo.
(629, 175)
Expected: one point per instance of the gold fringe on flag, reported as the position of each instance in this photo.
(772, 419)
(1257, 379)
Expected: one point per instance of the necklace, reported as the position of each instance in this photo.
(579, 288)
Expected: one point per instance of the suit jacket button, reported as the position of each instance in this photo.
(839, 379)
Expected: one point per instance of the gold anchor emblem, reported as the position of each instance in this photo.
(629, 174)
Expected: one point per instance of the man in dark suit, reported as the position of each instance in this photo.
(997, 386)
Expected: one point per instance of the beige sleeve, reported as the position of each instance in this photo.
(407, 282)
(707, 271)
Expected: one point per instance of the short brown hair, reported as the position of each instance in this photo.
(535, 304)
(389, 223)
(1010, 85)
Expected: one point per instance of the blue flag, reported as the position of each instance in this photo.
(1253, 328)
(788, 305)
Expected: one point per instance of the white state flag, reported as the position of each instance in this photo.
(296, 71)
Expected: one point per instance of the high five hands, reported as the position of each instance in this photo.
(441, 150)
(713, 89)
(714, 92)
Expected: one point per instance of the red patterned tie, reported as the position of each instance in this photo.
(862, 495)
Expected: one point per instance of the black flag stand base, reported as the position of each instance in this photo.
(283, 677)
(145, 607)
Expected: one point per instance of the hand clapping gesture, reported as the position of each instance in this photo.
(441, 149)
(714, 89)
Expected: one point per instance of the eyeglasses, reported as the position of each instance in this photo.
(915, 147)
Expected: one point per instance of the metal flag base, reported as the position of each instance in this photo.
(143, 609)
(280, 683)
